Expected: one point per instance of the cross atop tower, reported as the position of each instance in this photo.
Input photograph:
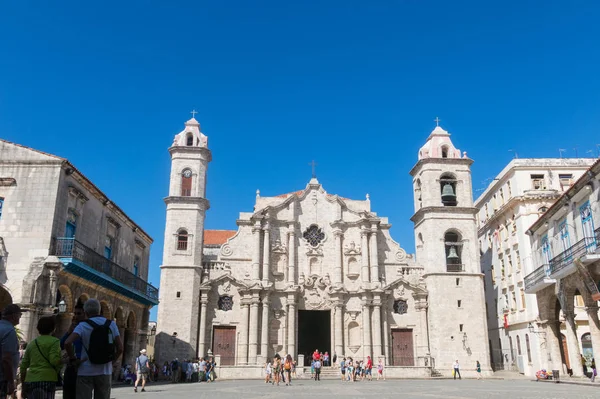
(313, 164)
(437, 121)
(194, 112)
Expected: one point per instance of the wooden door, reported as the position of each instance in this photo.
(224, 344)
(402, 348)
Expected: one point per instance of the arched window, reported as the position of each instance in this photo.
(444, 152)
(518, 345)
(186, 183)
(136, 265)
(528, 348)
(189, 140)
(448, 189)
(512, 351)
(182, 240)
(453, 250)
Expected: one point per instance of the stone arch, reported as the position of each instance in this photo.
(105, 310)
(119, 317)
(129, 338)
(83, 298)
(453, 250)
(5, 297)
(448, 185)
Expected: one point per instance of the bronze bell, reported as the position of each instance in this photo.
(448, 194)
(452, 255)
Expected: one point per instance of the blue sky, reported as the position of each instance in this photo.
(353, 85)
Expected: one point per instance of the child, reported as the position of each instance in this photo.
(267, 372)
(380, 370)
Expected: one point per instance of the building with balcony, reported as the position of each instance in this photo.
(565, 244)
(506, 209)
(62, 240)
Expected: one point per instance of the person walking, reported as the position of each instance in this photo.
(380, 370)
(175, 370)
(343, 368)
(70, 375)
(10, 349)
(41, 363)
(102, 345)
(318, 370)
(287, 368)
(456, 368)
(276, 370)
(141, 370)
(594, 371)
(478, 368)
(369, 369)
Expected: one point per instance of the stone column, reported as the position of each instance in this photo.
(553, 342)
(291, 255)
(264, 333)
(366, 321)
(243, 339)
(339, 329)
(337, 268)
(266, 261)
(365, 255)
(573, 344)
(256, 252)
(202, 337)
(386, 337)
(291, 325)
(253, 335)
(592, 312)
(374, 257)
(377, 328)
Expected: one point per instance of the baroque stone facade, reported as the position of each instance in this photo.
(310, 270)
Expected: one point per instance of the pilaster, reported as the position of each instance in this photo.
(374, 255)
(253, 333)
(243, 339)
(366, 322)
(256, 231)
(292, 254)
(364, 237)
(337, 268)
(266, 259)
(264, 337)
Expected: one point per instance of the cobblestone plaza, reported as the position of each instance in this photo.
(306, 388)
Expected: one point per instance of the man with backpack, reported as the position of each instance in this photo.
(102, 346)
(141, 367)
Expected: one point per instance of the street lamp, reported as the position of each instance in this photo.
(62, 306)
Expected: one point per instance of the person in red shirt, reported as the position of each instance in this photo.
(369, 368)
(316, 355)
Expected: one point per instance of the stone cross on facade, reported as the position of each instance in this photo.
(194, 112)
(437, 121)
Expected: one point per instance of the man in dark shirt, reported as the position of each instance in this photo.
(70, 377)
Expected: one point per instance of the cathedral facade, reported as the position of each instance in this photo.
(311, 270)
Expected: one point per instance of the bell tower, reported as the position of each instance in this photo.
(181, 269)
(446, 246)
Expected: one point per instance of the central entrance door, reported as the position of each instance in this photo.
(402, 348)
(314, 332)
(224, 344)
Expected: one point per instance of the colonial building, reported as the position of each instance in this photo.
(566, 276)
(311, 270)
(514, 200)
(62, 240)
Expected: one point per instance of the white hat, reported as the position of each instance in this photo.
(143, 351)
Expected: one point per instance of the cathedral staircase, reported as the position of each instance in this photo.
(327, 373)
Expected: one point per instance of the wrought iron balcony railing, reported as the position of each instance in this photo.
(71, 248)
(580, 248)
(535, 277)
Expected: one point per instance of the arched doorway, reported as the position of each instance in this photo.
(129, 339)
(5, 298)
(586, 346)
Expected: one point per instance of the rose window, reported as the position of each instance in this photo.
(225, 303)
(400, 306)
(314, 235)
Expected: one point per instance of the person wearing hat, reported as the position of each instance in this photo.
(141, 368)
(10, 349)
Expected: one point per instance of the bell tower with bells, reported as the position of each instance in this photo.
(445, 228)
